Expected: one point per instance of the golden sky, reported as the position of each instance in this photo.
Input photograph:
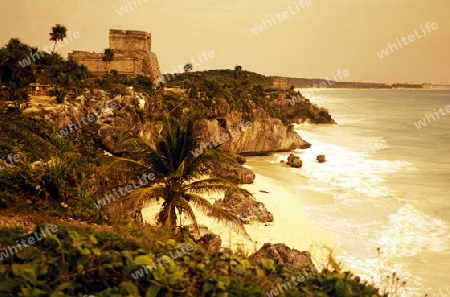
(312, 39)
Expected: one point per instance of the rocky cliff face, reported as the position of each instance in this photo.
(299, 109)
(259, 135)
(254, 134)
(244, 207)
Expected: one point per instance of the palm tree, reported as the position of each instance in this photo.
(180, 177)
(188, 67)
(58, 34)
(108, 56)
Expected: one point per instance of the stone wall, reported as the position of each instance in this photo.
(90, 60)
(155, 72)
(132, 55)
(280, 83)
(128, 40)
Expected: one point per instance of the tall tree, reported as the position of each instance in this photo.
(188, 67)
(58, 34)
(108, 56)
(15, 64)
(181, 178)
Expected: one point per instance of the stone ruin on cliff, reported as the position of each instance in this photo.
(132, 55)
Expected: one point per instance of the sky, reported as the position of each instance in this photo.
(311, 39)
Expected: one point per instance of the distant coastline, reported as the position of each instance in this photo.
(309, 83)
(380, 89)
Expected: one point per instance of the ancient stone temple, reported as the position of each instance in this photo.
(132, 55)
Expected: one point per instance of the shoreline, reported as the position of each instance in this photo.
(291, 225)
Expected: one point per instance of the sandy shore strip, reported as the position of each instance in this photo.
(290, 226)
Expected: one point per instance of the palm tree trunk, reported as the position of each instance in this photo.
(54, 47)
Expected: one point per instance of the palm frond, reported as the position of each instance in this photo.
(213, 185)
(146, 196)
(126, 164)
(207, 162)
(220, 214)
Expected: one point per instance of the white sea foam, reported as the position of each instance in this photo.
(346, 171)
(411, 232)
(370, 213)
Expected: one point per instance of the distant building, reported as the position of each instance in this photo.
(37, 89)
(280, 83)
(427, 86)
(132, 55)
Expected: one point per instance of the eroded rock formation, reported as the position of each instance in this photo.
(282, 254)
(245, 207)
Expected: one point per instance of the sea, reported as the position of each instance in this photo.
(388, 182)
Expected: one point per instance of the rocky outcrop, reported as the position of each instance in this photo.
(205, 238)
(294, 161)
(299, 109)
(321, 158)
(282, 254)
(245, 207)
(211, 242)
(260, 135)
(237, 172)
(240, 159)
(254, 134)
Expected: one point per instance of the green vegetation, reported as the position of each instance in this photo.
(243, 90)
(180, 175)
(56, 172)
(21, 65)
(61, 178)
(76, 262)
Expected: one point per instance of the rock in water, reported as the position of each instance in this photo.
(297, 163)
(321, 158)
(294, 161)
(290, 159)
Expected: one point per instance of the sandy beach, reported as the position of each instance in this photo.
(291, 225)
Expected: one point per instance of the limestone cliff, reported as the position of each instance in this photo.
(299, 109)
(259, 135)
(238, 134)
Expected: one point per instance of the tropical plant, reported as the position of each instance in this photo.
(188, 67)
(15, 70)
(180, 177)
(59, 93)
(79, 261)
(52, 179)
(107, 57)
(58, 34)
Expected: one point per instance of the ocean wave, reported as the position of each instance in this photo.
(411, 232)
(346, 172)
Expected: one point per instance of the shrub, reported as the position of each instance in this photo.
(59, 93)
(75, 262)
